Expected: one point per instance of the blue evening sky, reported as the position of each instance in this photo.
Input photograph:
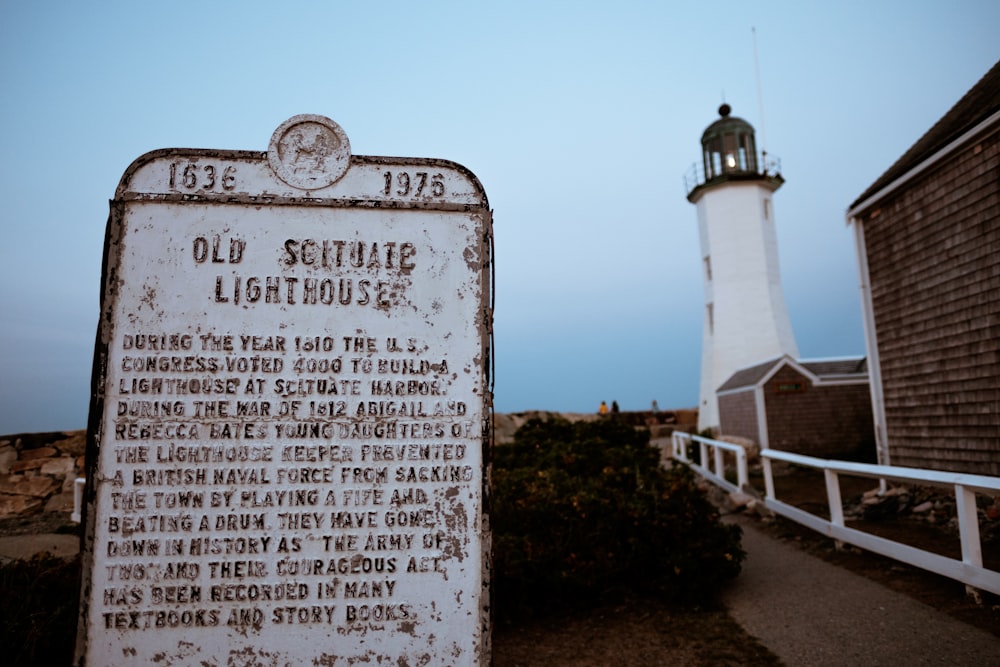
(580, 119)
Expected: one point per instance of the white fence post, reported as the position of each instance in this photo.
(768, 478)
(742, 473)
(968, 526)
(833, 497)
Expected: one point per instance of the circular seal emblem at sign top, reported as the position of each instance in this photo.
(309, 152)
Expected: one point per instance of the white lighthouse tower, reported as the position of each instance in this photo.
(746, 320)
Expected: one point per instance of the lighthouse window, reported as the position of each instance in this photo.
(730, 146)
(708, 269)
(747, 151)
(767, 209)
(710, 316)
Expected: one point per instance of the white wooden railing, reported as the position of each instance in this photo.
(969, 570)
(712, 467)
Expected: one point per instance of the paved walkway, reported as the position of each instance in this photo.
(809, 612)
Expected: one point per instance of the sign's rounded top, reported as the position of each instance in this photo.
(309, 152)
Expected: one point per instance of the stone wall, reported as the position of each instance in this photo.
(37, 471)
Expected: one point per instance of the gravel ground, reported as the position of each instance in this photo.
(637, 633)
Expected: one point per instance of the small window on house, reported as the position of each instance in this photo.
(787, 387)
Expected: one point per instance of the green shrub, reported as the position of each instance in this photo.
(585, 510)
(38, 610)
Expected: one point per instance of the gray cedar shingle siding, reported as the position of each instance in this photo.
(826, 414)
(818, 420)
(738, 415)
(933, 253)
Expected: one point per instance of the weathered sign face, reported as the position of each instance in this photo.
(288, 436)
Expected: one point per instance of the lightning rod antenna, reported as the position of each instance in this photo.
(760, 100)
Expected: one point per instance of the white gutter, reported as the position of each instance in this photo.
(871, 347)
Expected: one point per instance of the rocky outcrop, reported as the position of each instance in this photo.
(506, 424)
(37, 471)
(660, 424)
(923, 504)
(749, 446)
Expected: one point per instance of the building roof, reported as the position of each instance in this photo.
(826, 368)
(820, 369)
(750, 376)
(981, 102)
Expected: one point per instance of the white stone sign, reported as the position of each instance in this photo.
(290, 423)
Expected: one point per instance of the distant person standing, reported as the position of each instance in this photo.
(656, 406)
(603, 410)
(614, 407)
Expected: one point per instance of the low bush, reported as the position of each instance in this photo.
(582, 511)
(38, 610)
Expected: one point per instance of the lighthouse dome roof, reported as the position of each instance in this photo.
(726, 124)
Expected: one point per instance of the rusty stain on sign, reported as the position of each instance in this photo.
(289, 433)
